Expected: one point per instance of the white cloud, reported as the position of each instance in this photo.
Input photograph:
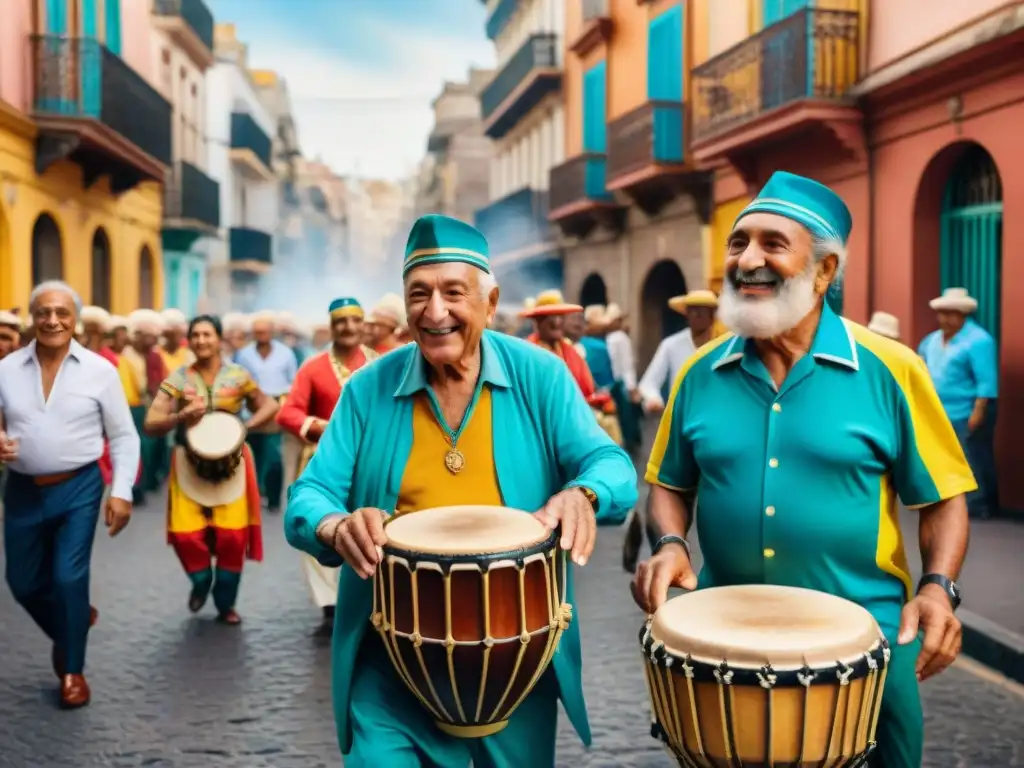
(372, 122)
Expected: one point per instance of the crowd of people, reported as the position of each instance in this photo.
(798, 430)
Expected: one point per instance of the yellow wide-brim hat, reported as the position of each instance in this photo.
(699, 298)
(550, 303)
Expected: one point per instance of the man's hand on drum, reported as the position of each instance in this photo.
(671, 567)
(358, 537)
(193, 412)
(572, 510)
(931, 614)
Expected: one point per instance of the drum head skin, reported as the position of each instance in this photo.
(218, 435)
(466, 530)
(750, 626)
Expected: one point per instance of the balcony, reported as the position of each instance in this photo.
(93, 109)
(580, 200)
(791, 80)
(189, 24)
(597, 27)
(251, 250)
(531, 74)
(191, 207)
(250, 148)
(517, 223)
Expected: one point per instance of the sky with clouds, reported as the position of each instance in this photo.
(362, 73)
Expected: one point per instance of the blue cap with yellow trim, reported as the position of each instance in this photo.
(437, 239)
(345, 307)
(806, 202)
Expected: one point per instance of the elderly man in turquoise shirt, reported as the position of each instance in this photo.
(801, 431)
(964, 363)
(530, 442)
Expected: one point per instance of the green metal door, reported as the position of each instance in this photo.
(972, 234)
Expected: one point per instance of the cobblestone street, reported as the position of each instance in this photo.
(172, 691)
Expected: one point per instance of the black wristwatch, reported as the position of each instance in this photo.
(671, 538)
(950, 587)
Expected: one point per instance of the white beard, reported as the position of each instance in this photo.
(762, 318)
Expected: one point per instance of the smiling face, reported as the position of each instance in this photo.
(54, 318)
(772, 278)
(346, 332)
(551, 329)
(204, 341)
(447, 313)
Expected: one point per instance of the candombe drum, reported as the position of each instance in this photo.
(762, 675)
(470, 603)
(214, 446)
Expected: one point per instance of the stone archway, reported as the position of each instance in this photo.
(47, 250)
(102, 273)
(593, 290)
(147, 275)
(664, 280)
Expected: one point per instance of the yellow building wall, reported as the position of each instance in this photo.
(722, 220)
(131, 222)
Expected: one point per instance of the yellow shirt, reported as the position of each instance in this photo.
(181, 357)
(129, 381)
(427, 483)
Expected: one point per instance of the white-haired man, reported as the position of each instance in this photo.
(57, 401)
(801, 434)
(273, 365)
(463, 416)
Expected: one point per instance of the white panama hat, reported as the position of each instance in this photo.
(885, 324)
(954, 300)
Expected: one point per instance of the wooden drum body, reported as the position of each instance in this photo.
(764, 676)
(471, 604)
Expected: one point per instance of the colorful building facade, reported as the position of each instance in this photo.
(913, 116)
(85, 143)
(522, 112)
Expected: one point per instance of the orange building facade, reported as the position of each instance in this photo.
(913, 117)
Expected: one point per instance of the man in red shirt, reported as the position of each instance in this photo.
(308, 408)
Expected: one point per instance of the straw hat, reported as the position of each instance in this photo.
(594, 314)
(10, 320)
(885, 324)
(954, 300)
(174, 317)
(117, 321)
(698, 298)
(550, 303)
(613, 312)
(96, 316)
(146, 321)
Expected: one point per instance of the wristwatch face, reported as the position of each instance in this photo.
(954, 593)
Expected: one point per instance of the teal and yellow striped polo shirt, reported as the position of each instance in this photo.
(798, 485)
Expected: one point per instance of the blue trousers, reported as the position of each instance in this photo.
(48, 536)
(391, 728)
(979, 447)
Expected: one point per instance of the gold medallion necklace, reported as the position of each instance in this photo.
(454, 459)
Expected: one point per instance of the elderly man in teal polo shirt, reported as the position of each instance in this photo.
(530, 442)
(801, 431)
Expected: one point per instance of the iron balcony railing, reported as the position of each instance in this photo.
(246, 134)
(191, 195)
(515, 221)
(195, 13)
(652, 134)
(595, 9)
(538, 52)
(250, 245)
(581, 179)
(812, 54)
(80, 78)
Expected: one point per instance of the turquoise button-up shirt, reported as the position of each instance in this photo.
(545, 439)
(964, 370)
(798, 485)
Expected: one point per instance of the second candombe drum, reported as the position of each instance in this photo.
(470, 603)
(764, 675)
(214, 446)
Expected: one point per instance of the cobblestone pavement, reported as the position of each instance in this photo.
(173, 691)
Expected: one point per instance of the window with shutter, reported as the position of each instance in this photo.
(665, 56)
(594, 108)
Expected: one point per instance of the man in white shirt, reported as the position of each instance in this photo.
(700, 308)
(57, 400)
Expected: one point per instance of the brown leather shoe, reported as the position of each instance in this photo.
(74, 692)
(57, 656)
(230, 617)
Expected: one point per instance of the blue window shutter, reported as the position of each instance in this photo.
(790, 7)
(665, 56)
(57, 17)
(90, 18)
(113, 25)
(595, 108)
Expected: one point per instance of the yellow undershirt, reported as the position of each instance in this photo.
(427, 483)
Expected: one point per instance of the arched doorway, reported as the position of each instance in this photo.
(47, 251)
(971, 252)
(657, 321)
(101, 272)
(146, 275)
(593, 291)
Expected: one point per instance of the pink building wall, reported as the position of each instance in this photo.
(137, 36)
(15, 29)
